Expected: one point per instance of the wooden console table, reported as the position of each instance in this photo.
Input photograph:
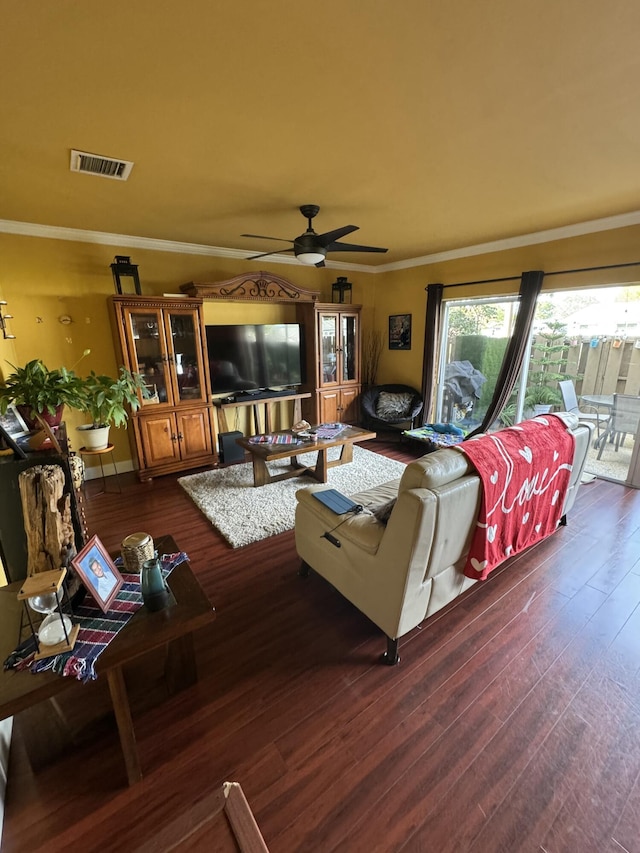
(172, 627)
(264, 403)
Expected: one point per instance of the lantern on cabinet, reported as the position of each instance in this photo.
(122, 268)
(341, 290)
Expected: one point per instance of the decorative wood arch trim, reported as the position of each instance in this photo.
(252, 287)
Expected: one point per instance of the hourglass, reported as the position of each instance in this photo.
(54, 633)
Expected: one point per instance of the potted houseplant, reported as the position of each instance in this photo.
(108, 401)
(541, 399)
(40, 394)
(548, 365)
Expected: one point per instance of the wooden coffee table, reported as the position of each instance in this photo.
(263, 453)
(171, 628)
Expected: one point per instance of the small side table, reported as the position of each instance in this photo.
(84, 451)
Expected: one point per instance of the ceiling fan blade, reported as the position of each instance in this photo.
(352, 247)
(262, 237)
(331, 236)
(264, 254)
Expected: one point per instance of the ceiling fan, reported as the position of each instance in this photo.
(311, 248)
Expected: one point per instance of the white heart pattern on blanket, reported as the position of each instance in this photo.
(555, 455)
(526, 453)
(508, 550)
(494, 478)
(491, 532)
(477, 565)
(537, 528)
(554, 499)
(525, 518)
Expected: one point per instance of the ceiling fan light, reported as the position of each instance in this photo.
(310, 258)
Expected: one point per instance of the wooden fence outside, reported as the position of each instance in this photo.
(611, 367)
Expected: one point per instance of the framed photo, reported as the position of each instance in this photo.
(12, 422)
(10, 442)
(98, 573)
(400, 331)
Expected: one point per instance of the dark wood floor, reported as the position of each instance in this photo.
(511, 724)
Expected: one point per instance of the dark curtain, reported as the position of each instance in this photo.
(530, 287)
(431, 339)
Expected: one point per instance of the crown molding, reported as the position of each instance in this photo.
(53, 232)
(103, 238)
(608, 223)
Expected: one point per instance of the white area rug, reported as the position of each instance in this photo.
(243, 513)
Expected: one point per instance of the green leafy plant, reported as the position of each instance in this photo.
(41, 390)
(106, 399)
(546, 367)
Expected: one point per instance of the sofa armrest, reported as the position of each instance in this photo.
(361, 529)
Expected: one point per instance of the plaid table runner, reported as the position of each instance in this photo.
(97, 629)
(277, 438)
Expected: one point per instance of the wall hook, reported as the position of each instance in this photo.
(3, 322)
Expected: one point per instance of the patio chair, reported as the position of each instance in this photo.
(625, 417)
(570, 403)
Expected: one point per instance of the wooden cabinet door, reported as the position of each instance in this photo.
(328, 348)
(185, 355)
(349, 404)
(144, 330)
(159, 439)
(349, 349)
(329, 406)
(194, 433)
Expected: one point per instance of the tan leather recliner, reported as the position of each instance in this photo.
(401, 572)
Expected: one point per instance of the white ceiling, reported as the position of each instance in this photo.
(432, 126)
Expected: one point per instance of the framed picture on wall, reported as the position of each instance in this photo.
(400, 331)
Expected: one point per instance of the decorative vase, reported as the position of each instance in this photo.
(94, 438)
(155, 592)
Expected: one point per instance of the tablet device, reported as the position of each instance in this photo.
(336, 501)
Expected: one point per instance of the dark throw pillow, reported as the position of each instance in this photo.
(383, 512)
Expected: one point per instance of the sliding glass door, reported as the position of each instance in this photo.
(592, 338)
(475, 336)
(588, 338)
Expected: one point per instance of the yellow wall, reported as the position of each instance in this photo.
(7, 347)
(42, 279)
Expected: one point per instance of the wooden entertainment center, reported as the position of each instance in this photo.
(164, 339)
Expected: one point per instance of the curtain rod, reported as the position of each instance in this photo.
(556, 272)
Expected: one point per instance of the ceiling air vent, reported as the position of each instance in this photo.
(104, 167)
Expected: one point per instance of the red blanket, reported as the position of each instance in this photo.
(525, 472)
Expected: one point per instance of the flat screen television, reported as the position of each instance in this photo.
(254, 357)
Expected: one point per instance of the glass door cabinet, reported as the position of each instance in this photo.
(334, 349)
(163, 340)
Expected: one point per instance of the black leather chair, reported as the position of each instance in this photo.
(397, 416)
